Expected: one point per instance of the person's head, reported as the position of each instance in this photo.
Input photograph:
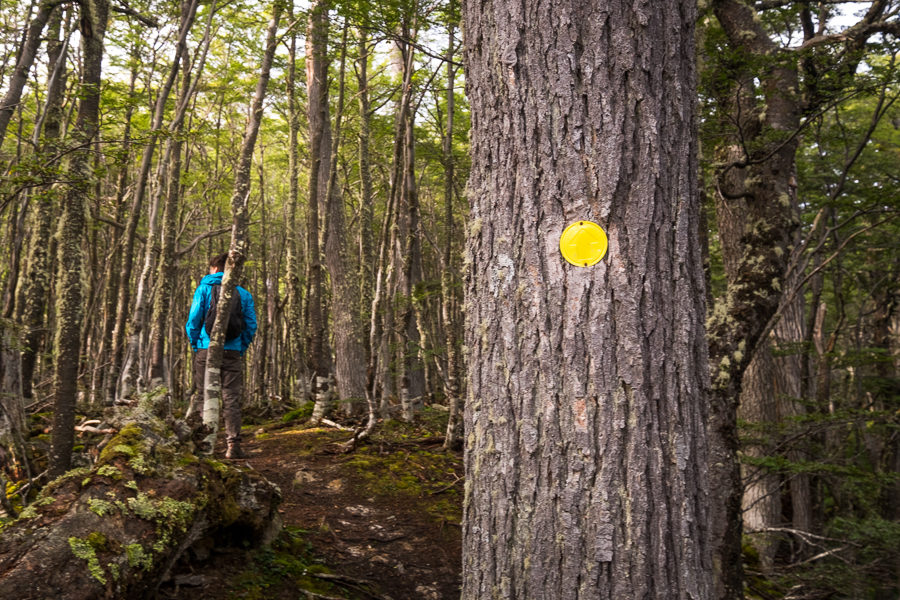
(217, 263)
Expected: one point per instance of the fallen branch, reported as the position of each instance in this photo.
(330, 423)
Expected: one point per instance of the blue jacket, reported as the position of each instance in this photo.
(196, 327)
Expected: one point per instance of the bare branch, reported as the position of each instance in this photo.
(124, 9)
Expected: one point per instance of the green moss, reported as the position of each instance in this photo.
(137, 558)
(101, 507)
(85, 550)
(302, 413)
(109, 471)
(30, 511)
(167, 513)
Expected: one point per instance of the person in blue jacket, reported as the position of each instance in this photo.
(232, 361)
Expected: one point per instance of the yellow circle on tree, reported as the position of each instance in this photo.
(583, 243)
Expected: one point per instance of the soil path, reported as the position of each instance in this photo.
(360, 516)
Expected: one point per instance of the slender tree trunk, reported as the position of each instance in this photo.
(349, 349)
(165, 274)
(37, 282)
(23, 65)
(317, 357)
(134, 353)
(294, 262)
(585, 438)
(366, 199)
(407, 249)
(127, 375)
(237, 253)
(94, 14)
(448, 288)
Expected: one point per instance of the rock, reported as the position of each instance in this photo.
(116, 529)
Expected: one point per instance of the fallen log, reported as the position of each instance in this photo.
(115, 530)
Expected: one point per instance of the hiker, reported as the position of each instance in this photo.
(239, 333)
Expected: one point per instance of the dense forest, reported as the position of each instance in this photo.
(742, 156)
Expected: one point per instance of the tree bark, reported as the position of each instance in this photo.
(349, 348)
(37, 282)
(317, 357)
(237, 253)
(448, 283)
(66, 360)
(585, 438)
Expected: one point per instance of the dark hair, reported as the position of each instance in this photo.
(218, 261)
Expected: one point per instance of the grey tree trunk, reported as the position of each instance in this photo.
(37, 281)
(133, 354)
(237, 253)
(349, 349)
(585, 439)
(317, 357)
(66, 359)
(294, 261)
(448, 283)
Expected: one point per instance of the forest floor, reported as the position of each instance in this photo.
(381, 522)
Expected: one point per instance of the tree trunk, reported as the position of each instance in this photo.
(755, 183)
(294, 262)
(237, 253)
(586, 448)
(349, 349)
(94, 14)
(407, 254)
(37, 282)
(317, 357)
(448, 283)
(134, 353)
(23, 65)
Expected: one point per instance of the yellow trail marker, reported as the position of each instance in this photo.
(583, 243)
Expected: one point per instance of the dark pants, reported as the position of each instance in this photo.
(232, 390)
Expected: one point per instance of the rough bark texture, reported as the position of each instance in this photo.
(36, 285)
(349, 349)
(320, 151)
(72, 225)
(585, 439)
(114, 531)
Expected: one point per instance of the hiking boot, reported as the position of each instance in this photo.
(234, 451)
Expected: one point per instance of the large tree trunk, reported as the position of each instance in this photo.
(116, 530)
(586, 446)
(94, 14)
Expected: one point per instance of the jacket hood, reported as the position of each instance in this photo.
(212, 279)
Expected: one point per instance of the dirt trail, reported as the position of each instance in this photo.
(383, 520)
